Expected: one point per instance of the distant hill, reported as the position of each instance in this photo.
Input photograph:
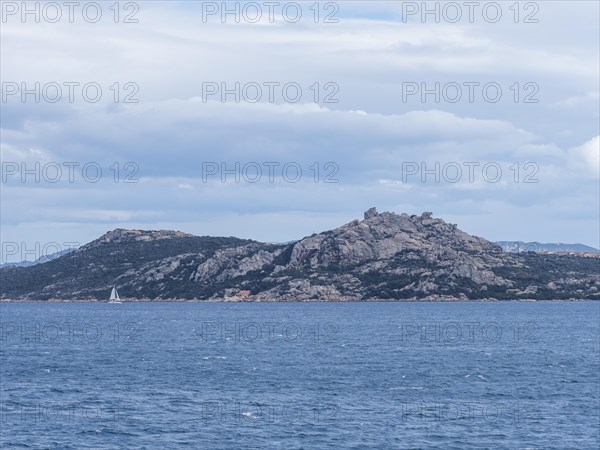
(40, 260)
(385, 256)
(520, 246)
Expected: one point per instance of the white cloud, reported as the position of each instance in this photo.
(586, 158)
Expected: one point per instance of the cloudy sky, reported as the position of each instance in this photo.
(269, 125)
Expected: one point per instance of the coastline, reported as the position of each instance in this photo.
(487, 300)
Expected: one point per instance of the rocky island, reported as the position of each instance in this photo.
(385, 256)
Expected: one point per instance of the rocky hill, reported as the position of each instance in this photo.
(385, 256)
(118, 257)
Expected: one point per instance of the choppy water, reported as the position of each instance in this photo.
(318, 375)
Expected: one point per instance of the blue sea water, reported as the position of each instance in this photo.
(300, 375)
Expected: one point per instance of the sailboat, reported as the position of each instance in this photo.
(114, 296)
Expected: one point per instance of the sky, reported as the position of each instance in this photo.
(276, 124)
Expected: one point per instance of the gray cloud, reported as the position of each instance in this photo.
(370, 134)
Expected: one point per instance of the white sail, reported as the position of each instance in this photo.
(114, 295)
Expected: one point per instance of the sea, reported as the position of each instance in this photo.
(461, 375)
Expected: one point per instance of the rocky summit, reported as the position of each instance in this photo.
(385, 256)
